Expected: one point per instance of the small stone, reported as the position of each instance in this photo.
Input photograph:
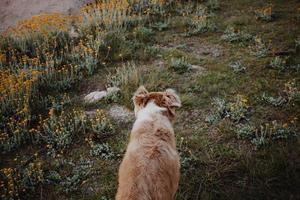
(95, 96)
(120, 113)
(112, 90)
(197, 68)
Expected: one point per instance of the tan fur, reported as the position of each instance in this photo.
(150, 167)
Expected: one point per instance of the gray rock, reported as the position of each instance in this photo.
(112, 90)
(120, 113)
(95, 96)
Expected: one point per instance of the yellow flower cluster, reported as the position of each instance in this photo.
(43, 23)
(9, 187)
(2, 58)
(107, 12)
(107, 5)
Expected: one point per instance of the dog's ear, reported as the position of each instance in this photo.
(172, 102)
(140, 95)
(173, 99)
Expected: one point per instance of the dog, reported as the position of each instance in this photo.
(150, 169)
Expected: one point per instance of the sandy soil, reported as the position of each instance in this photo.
(11, 11)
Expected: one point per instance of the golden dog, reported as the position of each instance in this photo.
(150, 167)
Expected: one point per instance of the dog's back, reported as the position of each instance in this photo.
(150, 168)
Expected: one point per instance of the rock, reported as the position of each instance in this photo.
(95, 96)
(112, 90)
(120, 113)
(198, 68)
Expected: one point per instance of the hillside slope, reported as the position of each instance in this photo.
(235, 65)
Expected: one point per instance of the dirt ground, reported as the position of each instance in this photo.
(11, 11)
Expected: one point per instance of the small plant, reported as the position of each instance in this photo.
(115, 46)
(102, 150)
(279, 101)
(260, 138)
(188, 160)
(233, 35)
(32, 176)
(160, 26)
(100, 124)
(143, 34)
(265, 133)
(291, 91)
(236, 110)
(180, 65)
(125, 75)
(127, 78)
(151, 51)
(245, 131)
(260, 48)
(279, 63)
(237, 67)
(80, 172)
(200, 24)
(59, 128)
(213, 4)
(297, 42)
(265, 14)
(16, 183)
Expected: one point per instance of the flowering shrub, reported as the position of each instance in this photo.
(43, 23)
(260, 49)
(234, 35)
(100, 124)
(265, 14)
(16, 183)
(236, 110)
(265, 133)
(58, 130)
(201, 24)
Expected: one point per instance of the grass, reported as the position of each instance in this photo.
(51, 149)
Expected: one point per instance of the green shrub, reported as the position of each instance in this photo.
(265, 14)
(245, 131)
(213, 4)
(237, 67)
(265, 133)
(127, 78)
(260, 48)
(151, 51)
(279, 101)
(180, 65)
(80, 172)
(100, 124)
(102, 150)
(160, 26)
(202, 24)
(143, 34)
(115, 46)
(233, 35)
(279, 63)
(59, 129)
(236, 110)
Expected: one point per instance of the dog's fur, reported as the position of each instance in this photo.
(150, 168)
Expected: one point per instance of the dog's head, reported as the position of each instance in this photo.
(167, 99)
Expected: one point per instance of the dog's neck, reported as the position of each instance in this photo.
(151, 108)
